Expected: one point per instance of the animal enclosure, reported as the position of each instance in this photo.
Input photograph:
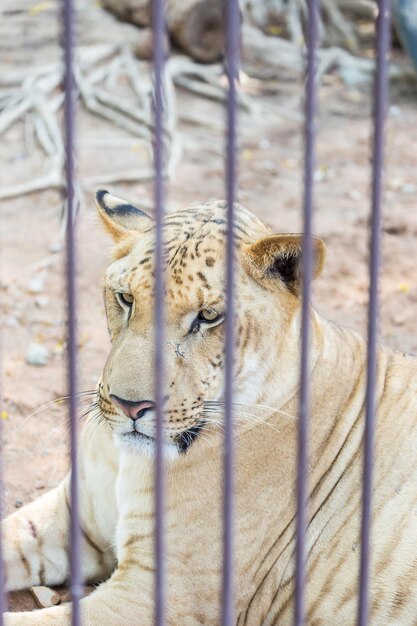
(249, 174)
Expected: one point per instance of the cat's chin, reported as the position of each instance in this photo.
(142, 444)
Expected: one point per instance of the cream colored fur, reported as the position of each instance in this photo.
(116, 476)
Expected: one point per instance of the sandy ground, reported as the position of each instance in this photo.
(32, 301)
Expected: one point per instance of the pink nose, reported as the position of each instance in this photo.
(133, 409)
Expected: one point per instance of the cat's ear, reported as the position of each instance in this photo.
(119, 216)
(278, 258)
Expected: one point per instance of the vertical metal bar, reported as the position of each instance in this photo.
(307, 273)
(3, 596)
(232, 67)
(75, 567)
(380, 107)
(158, 59)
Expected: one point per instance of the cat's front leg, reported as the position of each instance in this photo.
(35, 540)
(126, 598)
(36, 544)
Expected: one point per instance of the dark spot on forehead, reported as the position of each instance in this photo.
(204, 280)
(210, 261)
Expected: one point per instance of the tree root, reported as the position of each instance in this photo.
(266, 58)
(29, 95)
(53, 180)
(289, 19)
(34, 95)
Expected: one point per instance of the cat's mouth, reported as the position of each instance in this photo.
(182, 441)
(187, 437)
(136, 435)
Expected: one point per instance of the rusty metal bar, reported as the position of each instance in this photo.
(76, 584)
(232, 69)
(307, 274)
(158, 17)
(380, 108)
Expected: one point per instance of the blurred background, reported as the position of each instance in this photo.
(114, 151)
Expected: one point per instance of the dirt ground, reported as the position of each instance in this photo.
(270, 184)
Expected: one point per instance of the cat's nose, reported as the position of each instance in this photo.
(134, 409)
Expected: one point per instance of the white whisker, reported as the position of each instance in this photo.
(213, 404)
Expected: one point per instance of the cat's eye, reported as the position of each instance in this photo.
(209, 316)
(125, 299)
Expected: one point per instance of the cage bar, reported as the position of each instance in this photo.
(158, 16)
(76, 585)
(3, 595)
(380, 107)
(232, 69)
(307, 273)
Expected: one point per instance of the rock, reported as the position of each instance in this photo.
(399, 319)
(37, 354)
(395, 111)
(56, 247)
(45, 597)
(354, 194)
(269, 166)
(18, 504)
(319, 175)
(36, 284)
(11, 322)
(409, 188)
(41, 301)
(397, 228)
(264, 144)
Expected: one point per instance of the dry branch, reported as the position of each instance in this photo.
(131, 176)
(359, 9)
(34, 95)
(289, 19)
(34, 98)
(266, 57)
(339, 30)
(53, 180)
